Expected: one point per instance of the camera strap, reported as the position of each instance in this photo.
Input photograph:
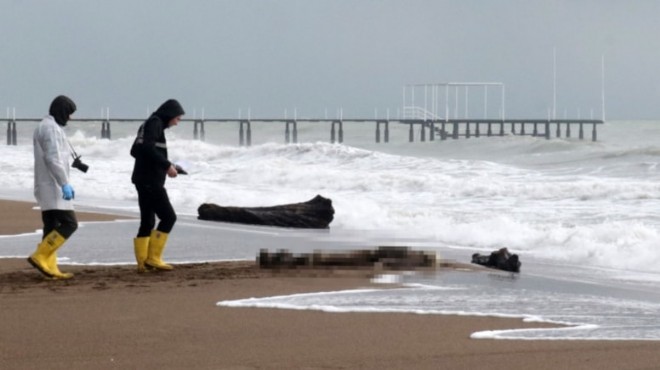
(73, 151)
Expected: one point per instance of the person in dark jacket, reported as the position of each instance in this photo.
(149, 174)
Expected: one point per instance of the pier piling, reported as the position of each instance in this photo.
(581, 132)
(340, 131)
(105, 130)
(244, 135)
(386, 133)
(593, 133)
(11, 132)
(198, 130)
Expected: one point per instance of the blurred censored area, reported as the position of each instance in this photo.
(383, 257)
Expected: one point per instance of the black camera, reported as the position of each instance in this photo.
(79, 165)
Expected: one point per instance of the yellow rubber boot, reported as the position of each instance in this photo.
(57, 274)
(141, 248)
(157, 243)
(41, 258)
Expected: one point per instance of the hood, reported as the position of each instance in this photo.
(61, 108)
(169, 110)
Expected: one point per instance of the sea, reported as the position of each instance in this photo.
(583, 215)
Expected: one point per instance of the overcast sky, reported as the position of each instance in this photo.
(322, 55)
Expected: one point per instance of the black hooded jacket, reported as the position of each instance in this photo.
(150, 146)
(61, 108)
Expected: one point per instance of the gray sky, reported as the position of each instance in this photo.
(318, 55)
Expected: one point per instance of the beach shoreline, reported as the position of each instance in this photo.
(112, 317)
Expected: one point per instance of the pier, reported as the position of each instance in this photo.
(427, 129)
(427, 111)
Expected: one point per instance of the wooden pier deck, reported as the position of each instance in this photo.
(430, 129)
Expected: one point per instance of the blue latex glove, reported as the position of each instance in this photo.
(67, 192)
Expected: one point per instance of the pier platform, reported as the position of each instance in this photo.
(427, 129)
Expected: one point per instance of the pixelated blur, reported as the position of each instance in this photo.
(383, 257)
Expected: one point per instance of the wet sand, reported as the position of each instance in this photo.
(110, 317)
(24, 217)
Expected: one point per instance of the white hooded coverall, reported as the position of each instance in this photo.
(51, 165)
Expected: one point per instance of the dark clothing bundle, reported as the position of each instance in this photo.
(500, 259)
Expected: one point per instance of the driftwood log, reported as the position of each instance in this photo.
(394, 258)
(316, 213)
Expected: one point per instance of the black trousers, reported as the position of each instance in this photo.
(64, 222)
(153, 201)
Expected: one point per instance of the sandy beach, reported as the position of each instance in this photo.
(111, 317)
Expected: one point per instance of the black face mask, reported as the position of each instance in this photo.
(61, 108)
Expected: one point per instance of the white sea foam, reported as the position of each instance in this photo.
(386, 279)
(581, 312)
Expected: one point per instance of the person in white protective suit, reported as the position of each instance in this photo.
(52, 188)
